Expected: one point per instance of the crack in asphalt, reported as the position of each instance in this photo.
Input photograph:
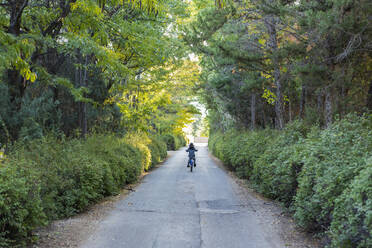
(200, 231)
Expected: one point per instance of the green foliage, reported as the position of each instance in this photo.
(240, 149)
(20, 204)
(104, 63)
(324, 176)
(153, 149)
(141, 141)
(173, 141)
(181, 140)
(49, 178)
(304, 63)
(330, 160)
(158, 150)
(30, 130)
(275, 172)
(352, 216)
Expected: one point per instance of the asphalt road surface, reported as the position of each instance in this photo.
(174, 208)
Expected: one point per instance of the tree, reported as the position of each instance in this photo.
(81, 53)
(309, 59)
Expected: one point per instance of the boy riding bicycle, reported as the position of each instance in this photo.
(191, 150)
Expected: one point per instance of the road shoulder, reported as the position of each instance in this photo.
(272, 216)
(71, 232)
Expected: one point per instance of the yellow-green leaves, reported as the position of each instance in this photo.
(28, 75)
(269, 96)
(15, 53)
(152, 6)
(87, 6)
(139, 106)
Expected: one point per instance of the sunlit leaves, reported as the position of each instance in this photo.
(15, 53)
(124, 52)
(152, 6)
(269, 96)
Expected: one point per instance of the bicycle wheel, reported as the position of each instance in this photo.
(191, 164)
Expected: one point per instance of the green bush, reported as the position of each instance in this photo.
(51, 178)
(214, 142)
(20, 205)
(141, 142)
(239, 150)
(275, 172)
(251, 148)
(158, 150)
(331, 160)
(218, 145)
(324, 176)
(122, 159)
(181, 141)
(69, 178)
(224, 148)
(173, 141)
(170, 141)
(352, 217)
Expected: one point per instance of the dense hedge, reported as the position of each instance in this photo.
(52, 178)
(323, 176)
(352, 215)
(158, 149)
(173, 141)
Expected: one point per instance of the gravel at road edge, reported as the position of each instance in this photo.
(272, 216)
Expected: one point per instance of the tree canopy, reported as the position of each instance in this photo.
(265, 63)
(136, 65)
(89, 65)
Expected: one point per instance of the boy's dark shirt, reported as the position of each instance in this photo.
(191, 152)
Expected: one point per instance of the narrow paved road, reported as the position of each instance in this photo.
(174, 208)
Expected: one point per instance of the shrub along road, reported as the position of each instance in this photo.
(176, 208)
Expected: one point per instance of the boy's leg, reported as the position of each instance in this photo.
(188, 163)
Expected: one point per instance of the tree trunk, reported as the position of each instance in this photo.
(84, 105)
(264, 118)
(319, 102)
(342, 102)
(270, 23)
(16, 10)
(290, 111)
(328, 108)
(303, 101)
(80, 106)
(80, 82)
(253, 111)
(55, 26)
(369, 97)
(16, 83)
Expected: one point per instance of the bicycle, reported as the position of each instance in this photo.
(192, 163)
